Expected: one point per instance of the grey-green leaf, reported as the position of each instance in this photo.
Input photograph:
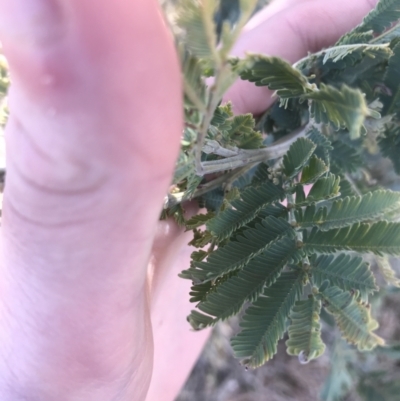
(305, 330)
(263, 324)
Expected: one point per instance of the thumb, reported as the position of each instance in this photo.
(91, 144)
(95, 111)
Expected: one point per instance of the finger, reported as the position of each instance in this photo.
(91, 145)
(296, 29)
(176, 346)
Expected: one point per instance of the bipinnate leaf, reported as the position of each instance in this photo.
(193, 81)
(297, 156)
(198, 321)
(244, 210)
(378, 20)
(349, 210)
(314, 169)
(238, 253)
(345, 158)
(199, 292)
(222, 118)
(343, 108)
(263, 323)
(324, 189)
(277, 74)
(324, 146)
(261, 175)
(305, 330)
(262, 271)
(356, 51)
(344, 271)
(199, 220)
(352, 317)
(378, 238)
(387, 271)
(196, 18)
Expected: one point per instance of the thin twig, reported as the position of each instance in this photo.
(245, 157)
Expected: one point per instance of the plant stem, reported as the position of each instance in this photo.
(245, 157)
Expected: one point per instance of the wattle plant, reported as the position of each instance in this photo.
(290, 211)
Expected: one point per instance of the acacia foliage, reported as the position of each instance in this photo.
(289, 220)
(273, 263)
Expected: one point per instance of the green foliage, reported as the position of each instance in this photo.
(389, 275)
(345, 107)
(352, 317)
(277, 74)
(290, 210)
(346, 211)
(243, 210)
(305, 330)
(380, 238)
(197, 20)
(377, 21)
(264, 322)
(313, 170)
(239, 252)
(298, 155)
(345, 158)
(325, 188)
(284, 267)
(349, 273)
(260, 272)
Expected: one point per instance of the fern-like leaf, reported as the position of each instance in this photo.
(198, 321)
(344, 107)
(199, 220)
(356, 51)
(377, 21)
(297, 156)
(277, 74)
(305, 330)
(315, 168)
(242, 133)
(324, 146)
(353, 318)
(325, 188)
(387, 272)
(263, 324)
(237, 254)
(345, 158)
(350, 210)
(362, 37)
(344, 271)
(379, 238)
(196, 18)
(261, 271)
(252, 201)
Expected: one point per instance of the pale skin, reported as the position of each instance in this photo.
(96, 117)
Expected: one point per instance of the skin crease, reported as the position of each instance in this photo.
(91, 145)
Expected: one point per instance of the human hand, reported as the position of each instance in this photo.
(91, 145)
